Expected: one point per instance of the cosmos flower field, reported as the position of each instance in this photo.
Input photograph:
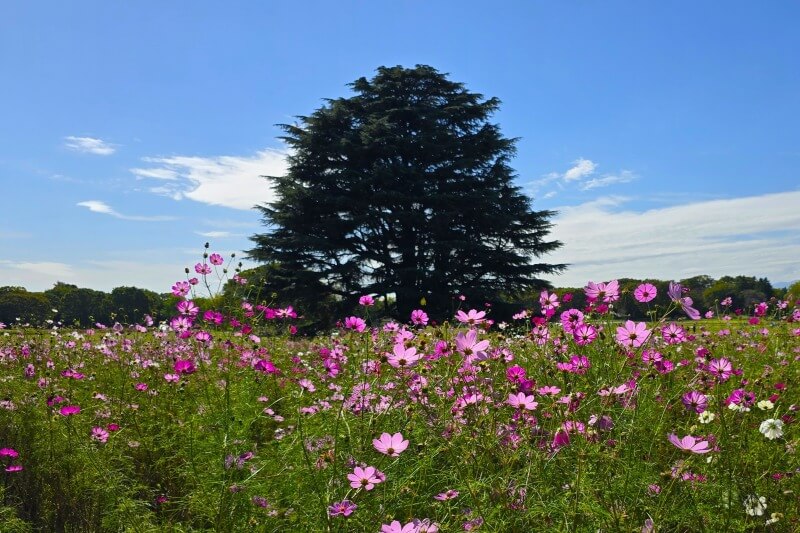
(561, 420)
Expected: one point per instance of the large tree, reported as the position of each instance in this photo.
(405, 188)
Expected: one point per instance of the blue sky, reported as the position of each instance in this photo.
(667, 135)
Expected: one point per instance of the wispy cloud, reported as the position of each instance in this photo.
(155, 173)
(218, 234)
(624, 176)
(229, 181)
(15, 273)
(580, 169)
(89, 145)
(97, 206)
(754, 235)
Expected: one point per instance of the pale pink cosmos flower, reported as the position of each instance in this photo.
(446, 495)
(689, 443)
(607, 292)
(469, 345)
(672, 333)
(391, 445)
(471, 317)
(402, 357)
(548, 301)
(181, 288)
(366, 300)
(645, 292)
(522, 401)
(397, 527)
(632, 334)
(202, 268)
(99, 434)
(364, 478)
(675, 293)
(216, 259)
(584, 334)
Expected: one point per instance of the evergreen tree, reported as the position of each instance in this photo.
(405, 188)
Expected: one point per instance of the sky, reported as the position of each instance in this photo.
(666, 135)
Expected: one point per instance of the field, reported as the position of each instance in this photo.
(224, 420)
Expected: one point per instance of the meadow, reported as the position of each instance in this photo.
(561, 420)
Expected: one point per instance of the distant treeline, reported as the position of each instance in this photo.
(73, 306)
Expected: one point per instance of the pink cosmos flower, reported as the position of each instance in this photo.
(402, 357)
(181, 324)
(689, 443)
(14, 468)
(522, 401)
(364, 478)
(391, 445)
(695, 401)
(69, 410)
(672, 333)
(447, 495)
(607, 292)
(675, 293)
(216, 259)
(9, 452)
(548, 301)
(419, 317)
(645, 292)
(633, 334)
(721, 368)
(397, 527)
(342, 508)
(99, 434)
(188, 308)
(468, 345)
(472, 317)
(202, 268)
(571, 319)
(584, 334)
(181, 288)
(366, 300)
(355, 323)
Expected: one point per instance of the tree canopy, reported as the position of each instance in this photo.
(405, 188)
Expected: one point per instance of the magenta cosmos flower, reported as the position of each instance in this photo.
(391, 445)
(695, 401)
(366, 301)
(9, 452)
(721, 368)
(364, 478)
(184, 366)
(675, 293)
(355, 323)
(689, 443)
(632, 334)
(645, 292)
(69, 410)
(419, 317)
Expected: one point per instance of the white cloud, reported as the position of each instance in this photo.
(155, 173)
(89, 145)
(581, 169)
(755, 235)
(97, 206)
(218, 234)
(228, 181)
(624, 176)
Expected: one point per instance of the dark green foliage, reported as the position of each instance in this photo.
(85, 307)
(131, 303)
(404, 188)
(30, 307)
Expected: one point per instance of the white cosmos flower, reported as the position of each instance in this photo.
(755, 505)
(765, 405)
(706, 417)
(771, 428)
